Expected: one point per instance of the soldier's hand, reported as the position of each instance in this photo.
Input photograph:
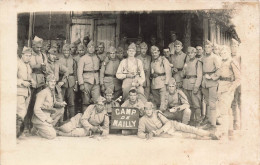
(207, 76)
(82, 87)
(158, 132)
(43, 67)
(149, 135)
(130, 75)
(63, 104)
(94, 129)
(49, 120)
(60, 83)
(175, 69)
(26, 83)
(195, 90)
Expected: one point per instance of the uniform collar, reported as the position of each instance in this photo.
(157, 59)
(179, 53)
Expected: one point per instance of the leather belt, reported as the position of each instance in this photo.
(179, 69)
(210, 73)
(225, 79)
(188, 77)
(37, 71)
(93, 71)
(157, 75)
(110, 75)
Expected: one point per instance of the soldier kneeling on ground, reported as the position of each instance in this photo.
(94, 121)
(154, 123)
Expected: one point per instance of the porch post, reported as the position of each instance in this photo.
(212, 26)
(205, 29)
(187, 31)
(160, 30)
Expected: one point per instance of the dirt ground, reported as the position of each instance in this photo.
(118, 149)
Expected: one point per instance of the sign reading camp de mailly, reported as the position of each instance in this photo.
(124, 118)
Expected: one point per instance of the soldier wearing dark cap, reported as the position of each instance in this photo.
(86, 40)
(101, 52)
(199, 53)
(120, 53)
(178, 60)
(108, 74)
(123, 44)
(173, 39)
(88, 76)
(94, 121)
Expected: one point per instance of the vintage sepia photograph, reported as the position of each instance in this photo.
(123, 86)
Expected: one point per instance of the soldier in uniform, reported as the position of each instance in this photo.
(192, 78)
(101, 52)
(138, 50)
(131, 71)
(154, 124)
(178, 60)
(24, 82)
(146, 60)
(68, 88)
(38, 64)
(160, 75)
(88, 76)
(108, 74)
(209, 85)
(176, 105)
(123, 44)
(47, 110)
(229, 80)
(94, 121)
(236, 103)
(173, 39)
(120, 53)
(73, 50)
(199, 52)
(86, 40)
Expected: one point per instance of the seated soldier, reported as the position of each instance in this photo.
(154, 123)
(93, 121)
(176, 105)
(47, 110)
(110, 103)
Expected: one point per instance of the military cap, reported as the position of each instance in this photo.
(77, 42)
(225, 48)
(73, 45)
(177, 42)
(26, 50)
(148, 105)
(51, 77)
(172, 32)
(101, 44)
(208, 43)
(53, 51)
(86, 38)
(100, 100)
(172, 81)
(91, 43)
(112, 49)
(80, 46)
(66, 47)
(192, 49)
(109, 91)
(37, 40)
(197, 47)
(132, 46)
(154, 48)
(166, 50)
(120, 50)
(143, 45)
(133, 90)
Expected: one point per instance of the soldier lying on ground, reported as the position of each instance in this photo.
(94, 120)
(155, 124)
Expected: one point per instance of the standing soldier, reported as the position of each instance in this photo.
(108, 74)
(47, 111)
(131, 71)
(110, 103)
(176, 105)
(146, 60)
(192, 73)
(173, 39)
(70, 85)
(73, 49)
(160, 75)
(229, 80)
(88, 76)
(209, 84)
(178, 60)
(86, 40)
(24, 81)
(38, 64)
(94, 121)
(199, 52)
(101, 52)
(236, 103)
(123, 44)
(120, 53)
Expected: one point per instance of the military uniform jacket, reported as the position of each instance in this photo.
(178, 61)
(210, 64)
(92, 118)
(102, 56)
(56, 68)
(127, 66)
(108, 72)
(37, 73)
(176, 99)
(138, 104)
(229, 69)
(88, 68)
(153, 123)
(45, 100)
(160, 66)
(110, 105)
(24, 72)
(71, 65)
(147, 68)
(192, 73)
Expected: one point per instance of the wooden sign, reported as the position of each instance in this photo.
(124, 118)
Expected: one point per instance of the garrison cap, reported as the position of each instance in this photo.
(143, 45)
(37, 40)
(172, 32)
(26, 50)
(154, 48)
(80, 46)
(109, 91)
(112, 49)
(101, 44)
(166, 50)
(192, 49)
(148, 105)
(120, 50)
(208, 43)
(100, 100)
(172, 81)
(51, 77)
(177, 42)
(53, 51)
(73, 45)
(66, 47)
(91, 43)
(132, 46)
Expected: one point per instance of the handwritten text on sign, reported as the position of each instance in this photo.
(124, 118)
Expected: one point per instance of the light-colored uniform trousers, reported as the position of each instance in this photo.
(22, 105)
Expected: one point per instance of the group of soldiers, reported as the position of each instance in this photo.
(72, 93)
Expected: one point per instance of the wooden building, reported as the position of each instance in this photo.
(192, 27)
